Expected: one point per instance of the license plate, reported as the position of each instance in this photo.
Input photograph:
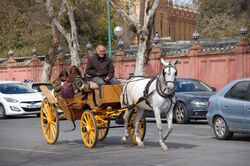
(32, 106)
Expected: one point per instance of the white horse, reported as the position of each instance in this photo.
(158, 95)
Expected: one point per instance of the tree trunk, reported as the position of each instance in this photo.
(73, 43)
(46, 71)
(143, 30)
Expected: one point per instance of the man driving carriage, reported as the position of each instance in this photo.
(100, 68)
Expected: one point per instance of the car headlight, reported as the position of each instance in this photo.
(10, 100)
(199, 103)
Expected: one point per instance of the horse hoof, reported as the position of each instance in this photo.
(123, 140)
(164, 147)
(141, 145)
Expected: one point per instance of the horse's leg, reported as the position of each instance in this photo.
(170, 124)
(159, 127)
(136, 125)
(125, 136)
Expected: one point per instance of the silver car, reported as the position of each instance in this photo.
(229, 109)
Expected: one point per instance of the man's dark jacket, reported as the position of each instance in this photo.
(100, 67)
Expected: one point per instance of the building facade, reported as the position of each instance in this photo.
(173, 21)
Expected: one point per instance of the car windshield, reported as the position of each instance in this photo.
(190, 85)
(37, 87)
(15, 88)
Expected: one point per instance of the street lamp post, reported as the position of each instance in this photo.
(109, 30)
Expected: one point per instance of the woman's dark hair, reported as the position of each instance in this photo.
(63, 73)
(75, 71)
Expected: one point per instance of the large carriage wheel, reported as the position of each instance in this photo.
(103, 130)
(49, 121)
(88, 128)
(141, 127)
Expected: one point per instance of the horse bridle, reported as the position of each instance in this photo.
(159, 88)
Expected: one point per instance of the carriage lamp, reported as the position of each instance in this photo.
(195, 35)
(243, 30)
(88, 45)
(11, 53)
(34, 50)
(156, 39)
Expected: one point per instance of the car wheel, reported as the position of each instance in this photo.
(2, 112)
(221, 130)
(181, 115)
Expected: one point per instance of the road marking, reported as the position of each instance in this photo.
(28, 150)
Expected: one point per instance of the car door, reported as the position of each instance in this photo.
(248, 111)
(233, 106)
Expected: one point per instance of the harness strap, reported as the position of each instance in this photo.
(146, 90)
(124, 96)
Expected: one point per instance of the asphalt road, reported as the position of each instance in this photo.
(22, 144)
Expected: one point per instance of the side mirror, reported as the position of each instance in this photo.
(213, 89)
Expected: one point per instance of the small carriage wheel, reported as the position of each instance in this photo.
(141, 127)
(88, 129)
(49, 121)
(103, 130)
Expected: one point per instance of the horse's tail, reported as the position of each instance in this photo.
(124, 97)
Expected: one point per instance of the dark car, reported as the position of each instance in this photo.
(192, 100)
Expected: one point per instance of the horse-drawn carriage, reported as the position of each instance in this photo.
(94, 110)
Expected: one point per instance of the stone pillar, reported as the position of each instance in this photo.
(10, 68)
(193, 60)
(242, 45)
(34, 68)
(240, 51)
(154, 64)
(59, 65)
(118, 64)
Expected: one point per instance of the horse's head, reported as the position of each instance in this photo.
(168, 76)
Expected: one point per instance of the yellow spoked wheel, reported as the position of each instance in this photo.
(103, 129)
(49, 121)
(88, 128)
(141, 128)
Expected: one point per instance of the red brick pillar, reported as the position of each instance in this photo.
(154, 65)
(240, 51)
(59, 66)
(194, 64)
(34, 68)
(10, 68)
(118, 64)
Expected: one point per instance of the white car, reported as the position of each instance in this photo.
(18, 99)
(36, 86)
